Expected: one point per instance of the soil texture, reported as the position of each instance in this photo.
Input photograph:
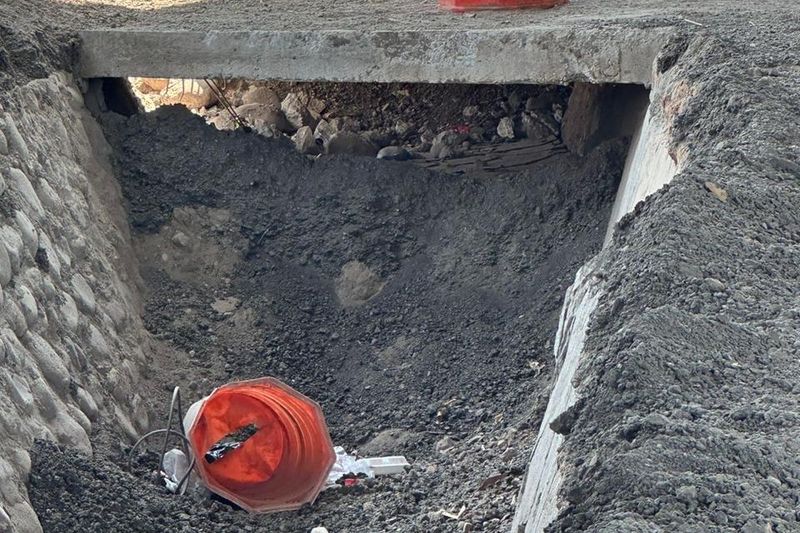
(419, 309)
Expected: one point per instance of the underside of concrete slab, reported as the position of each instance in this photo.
(521, 55)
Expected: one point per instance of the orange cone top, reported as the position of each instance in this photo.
(286, 454)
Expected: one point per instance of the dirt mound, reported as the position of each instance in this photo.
(458, 284)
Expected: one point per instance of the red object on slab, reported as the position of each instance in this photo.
(282, 463)
(470, 5)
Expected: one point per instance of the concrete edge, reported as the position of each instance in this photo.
(519, 55)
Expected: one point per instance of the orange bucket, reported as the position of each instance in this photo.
(262, 445)
(471, 5)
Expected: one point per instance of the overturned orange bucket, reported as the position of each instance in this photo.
(262, 445)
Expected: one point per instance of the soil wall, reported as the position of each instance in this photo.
(71, 340)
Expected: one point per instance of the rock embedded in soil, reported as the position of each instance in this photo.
(262, 116)
(346, 142)
(297, 114)
(305, 142)
(394, 153)
(261, 95)
(505, 128)
(447, 144)
(357, 284)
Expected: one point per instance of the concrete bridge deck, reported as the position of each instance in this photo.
(381, 40)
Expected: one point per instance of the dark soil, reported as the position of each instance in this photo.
(691, 365)
(455, 347)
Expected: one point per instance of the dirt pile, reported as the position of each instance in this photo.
(419, 309)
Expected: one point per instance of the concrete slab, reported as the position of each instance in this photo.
(530, 55)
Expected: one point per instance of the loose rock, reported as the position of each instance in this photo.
(394, 153)
(505, 128)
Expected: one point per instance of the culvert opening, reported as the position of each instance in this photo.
(416, 300)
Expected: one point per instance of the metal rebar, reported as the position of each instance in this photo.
(174, 405)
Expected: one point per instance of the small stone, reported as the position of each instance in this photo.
(445, 444)
(20, 392)
(754, 526)
(403, 128)
(443, 145)
(717, 191)
(316, 106)
(325, 130)
(714, 284)
(470, 111)
(534, 128)
(261, 95)
(83, 293)
(14, 317)
(86, 403)
(225, 305)
(346, 142)
(27, 304)
(774, 482)
(296, 112)
(264, 117)
(222, 122)
(50, 363)
(180, 239)
(656, 420)
(305, 142)
(69, 312)
(508, 455)
(505, 128)
(394, 153)
(29, 235)
(687, 494)
(78, 247)
(3, 146)
(319, 529)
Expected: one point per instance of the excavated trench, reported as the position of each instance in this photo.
(417, 301)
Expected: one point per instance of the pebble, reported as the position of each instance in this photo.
(714, 284)
(470, 111)
(180, 239)
(445, 444)
(394, 153)
(505, 128)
